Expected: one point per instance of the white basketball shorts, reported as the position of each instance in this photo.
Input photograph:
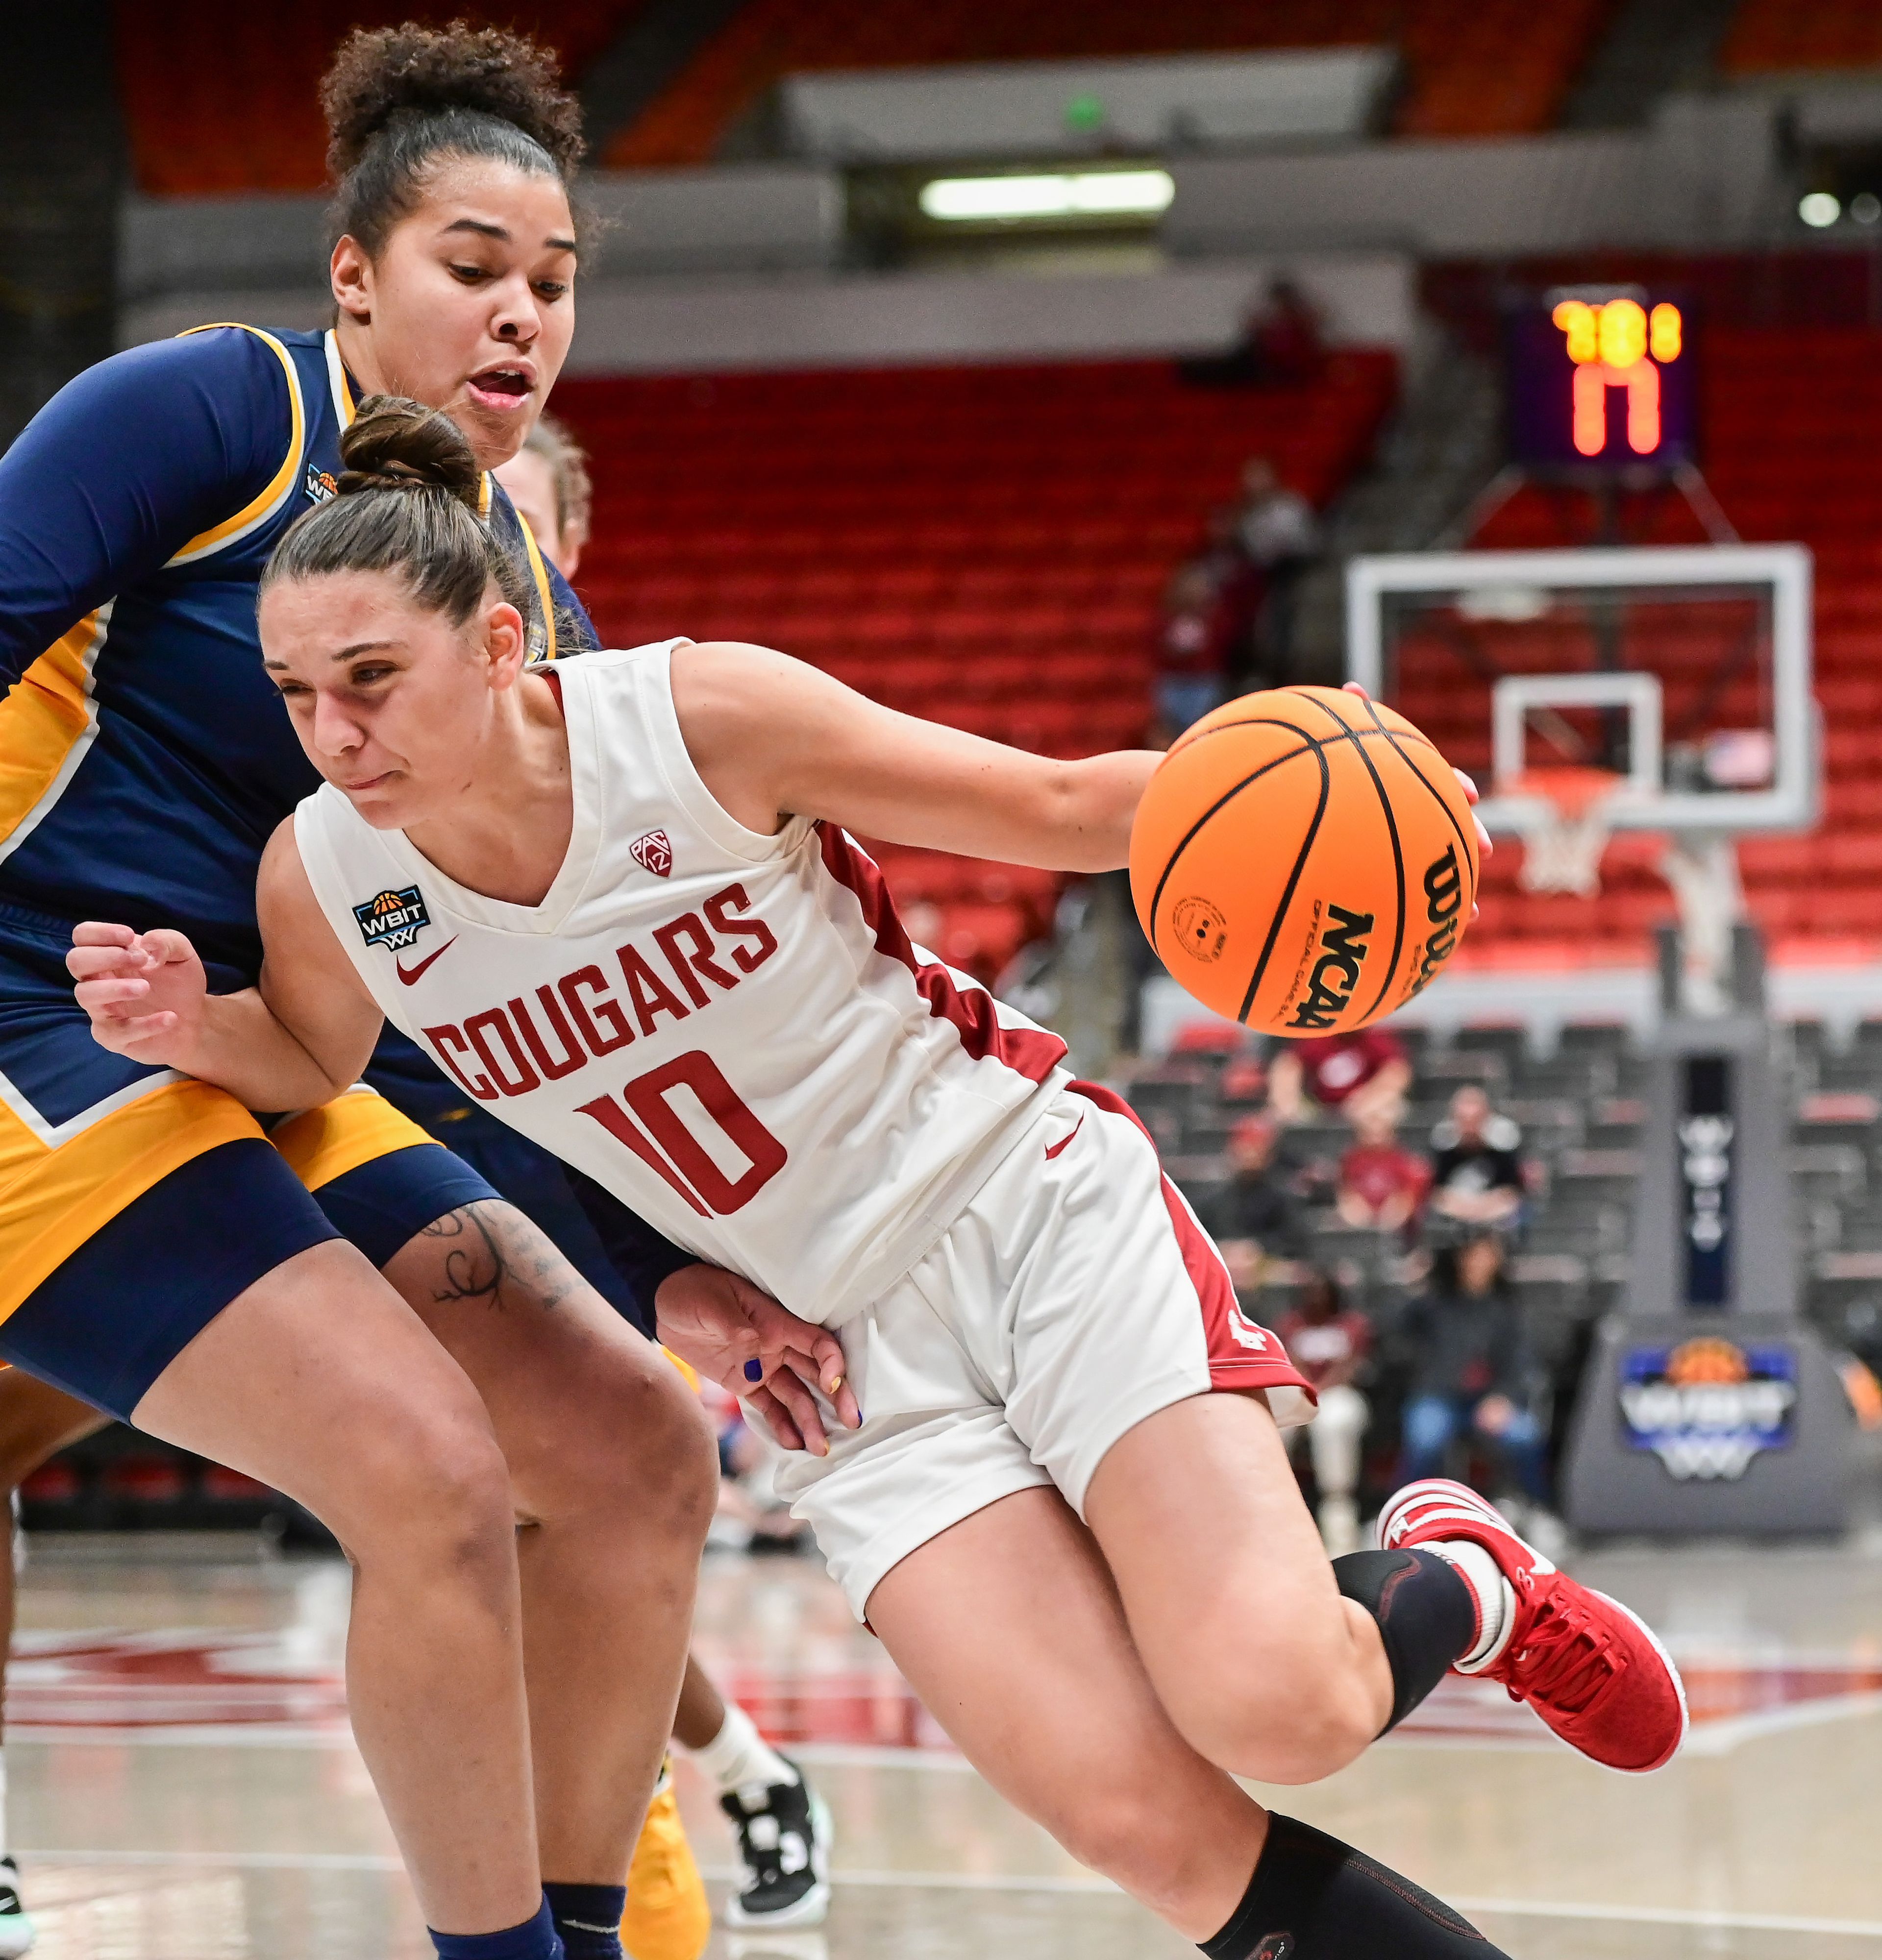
(1075, 1295)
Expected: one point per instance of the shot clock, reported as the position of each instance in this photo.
(1603, 379)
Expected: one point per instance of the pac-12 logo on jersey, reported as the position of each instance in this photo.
(393, 919)
(653, 853)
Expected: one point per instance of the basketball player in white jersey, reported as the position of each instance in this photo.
(617, 899)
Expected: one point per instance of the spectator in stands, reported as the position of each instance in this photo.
(1328, 1342)
(1256, 1217)
(1280, 536)
(1286, 338)
(1381, 1183)
(1477, 1174)
(1194, 646)
(1281, 345)
(1471, 1371)
(1351, 1073)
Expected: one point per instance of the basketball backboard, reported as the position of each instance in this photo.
(1683, 673)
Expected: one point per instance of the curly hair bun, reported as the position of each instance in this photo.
(379, 71)
(397, 445)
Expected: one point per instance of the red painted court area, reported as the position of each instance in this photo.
(184, 1679)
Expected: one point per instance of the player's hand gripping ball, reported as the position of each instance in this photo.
(1304, 861)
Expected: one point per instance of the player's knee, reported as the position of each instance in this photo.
(633, 1444)
(436, 1491)
(667, 1451)
(1291, 1715)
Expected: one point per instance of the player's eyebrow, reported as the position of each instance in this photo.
(501, 234)
(344, 653)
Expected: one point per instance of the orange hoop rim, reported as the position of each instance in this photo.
(1574, 789)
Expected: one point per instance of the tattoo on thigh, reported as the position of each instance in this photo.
(494, 1254)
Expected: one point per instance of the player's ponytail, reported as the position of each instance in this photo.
(409, 504)
(398, 99)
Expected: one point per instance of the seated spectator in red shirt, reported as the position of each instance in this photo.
(1477, 1174)
(1381, 1183)
(1355, 1073)
(1328, 1342)
(1255, 1217)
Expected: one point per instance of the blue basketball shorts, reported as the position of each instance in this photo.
(136, 1203)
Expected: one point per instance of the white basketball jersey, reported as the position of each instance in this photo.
(730, 1031)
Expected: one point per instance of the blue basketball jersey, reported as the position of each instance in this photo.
(145, 757)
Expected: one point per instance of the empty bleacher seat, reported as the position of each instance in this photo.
(220, 95)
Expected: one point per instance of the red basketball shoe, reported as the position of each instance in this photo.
(1586, 1666)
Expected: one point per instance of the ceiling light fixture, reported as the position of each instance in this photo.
(1075, 194)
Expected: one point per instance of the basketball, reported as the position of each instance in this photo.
(1304, 861)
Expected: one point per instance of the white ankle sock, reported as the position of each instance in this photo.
(1491, 1590)
(738, 1758)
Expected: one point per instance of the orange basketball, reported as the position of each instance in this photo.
(1304, 861)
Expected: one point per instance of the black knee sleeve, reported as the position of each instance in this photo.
(1426, 1614)
(1314, 1898)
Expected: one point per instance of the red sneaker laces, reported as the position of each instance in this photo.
(1566, 1661)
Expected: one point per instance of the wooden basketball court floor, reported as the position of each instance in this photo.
(183, 1787)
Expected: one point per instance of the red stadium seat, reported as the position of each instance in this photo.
(220, 95)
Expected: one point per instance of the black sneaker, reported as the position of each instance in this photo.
(17, 1932)
(784, 1840)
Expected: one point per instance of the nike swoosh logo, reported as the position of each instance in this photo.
(412, 976)
(1052, 1149)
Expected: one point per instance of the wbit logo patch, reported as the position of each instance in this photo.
(393, 919)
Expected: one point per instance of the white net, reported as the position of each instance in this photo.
(1566, 829)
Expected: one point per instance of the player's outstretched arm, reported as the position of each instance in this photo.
(772, 737)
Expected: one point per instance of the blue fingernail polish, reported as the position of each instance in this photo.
(754, 1371)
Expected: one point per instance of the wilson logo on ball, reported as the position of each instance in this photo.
(1443, 905)
(1343, 949)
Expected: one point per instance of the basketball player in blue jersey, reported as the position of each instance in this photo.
(163, 1260)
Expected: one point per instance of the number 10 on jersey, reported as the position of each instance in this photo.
(662, 1141)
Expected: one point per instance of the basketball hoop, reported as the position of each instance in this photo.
(1567, 832)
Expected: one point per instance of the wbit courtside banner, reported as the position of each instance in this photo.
(1707, 1407)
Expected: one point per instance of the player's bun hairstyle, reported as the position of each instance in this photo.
(396, 99)
(409, 504)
